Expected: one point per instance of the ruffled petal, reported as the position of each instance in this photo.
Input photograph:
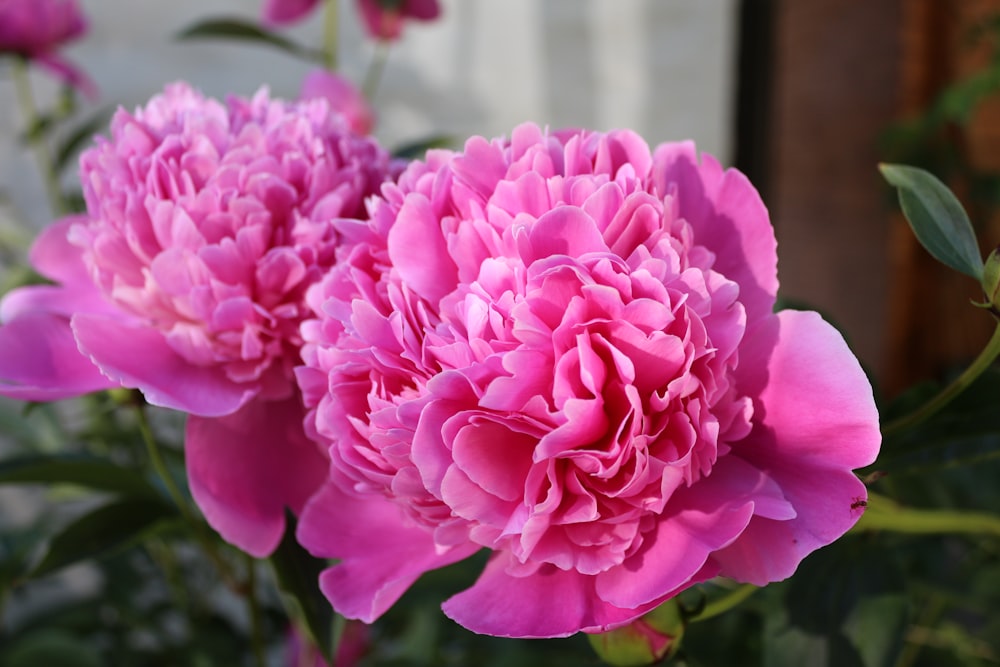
(246, 468)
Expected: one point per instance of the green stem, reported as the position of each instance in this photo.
(958, 385)
(253, 607)
(374, 74)
(30, 112)
(198, 528)
(330, 35)
(728, 601)
(884, 514)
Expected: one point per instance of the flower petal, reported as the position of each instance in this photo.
(382, 555)
(246, 468)
(137, 356)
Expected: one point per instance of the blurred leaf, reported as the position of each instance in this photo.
(108, 528)
(249, 32)
(49, 648)
(415, 150)
(80, 469)
(298, 576)
(937, 218)
(82, 134)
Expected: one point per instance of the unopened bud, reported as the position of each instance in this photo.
(645, 641)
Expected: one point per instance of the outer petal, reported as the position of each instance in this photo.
(382, 554)
(137, 356)
(247, 467)
(548, 603)
(277, 12)
(39, 361)
(728, 218)
(55, 257)
(815, 421)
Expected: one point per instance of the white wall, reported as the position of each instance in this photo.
(661, 67)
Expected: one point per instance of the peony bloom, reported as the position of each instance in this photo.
(561, 348)
(343, 96)
(35, 29)
(279, 12)
(384, 18)
(206, 223)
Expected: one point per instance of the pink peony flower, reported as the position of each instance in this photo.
(384, 18)
(35, 29)
(186, 279)
(279, 12)
(561, 347)
(343, 96)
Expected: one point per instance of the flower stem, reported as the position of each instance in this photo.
(30, 112)
(253, 607)
(374, 74)
(728, 601)
(957, 386)
(885, 514)
(197, 527)
(330, 35)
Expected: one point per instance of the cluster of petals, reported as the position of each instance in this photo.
(36, 29)
(383, 19)
(561, 347)
(206, 223)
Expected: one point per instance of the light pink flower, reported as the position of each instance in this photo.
(279, 12)
(561, 347)
(343, 96)
(36, 29)
(186, 279)
(384, 18)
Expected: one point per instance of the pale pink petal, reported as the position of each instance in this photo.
(39, 361)
(246, 468)
(381, 554)
(137, 356)
(419, 251)
(53, 256)
(343, 96)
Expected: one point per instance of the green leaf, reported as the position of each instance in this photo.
(80, 469)
(51, 648)
(249, 32)
(415, 150)
(110, 527)
(937, 218)
(298, 576)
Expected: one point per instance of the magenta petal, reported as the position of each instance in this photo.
(727, 216)
(549, 603)
(815, 405)
(277, 12)
(39, 361)
(137, 356)
(382, 553)
(247, 467)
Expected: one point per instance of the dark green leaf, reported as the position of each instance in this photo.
(249, 32)
(80, 469)
(104, 530)
(415, 150)
(937, 218)
(49, 648)
(298, 576)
